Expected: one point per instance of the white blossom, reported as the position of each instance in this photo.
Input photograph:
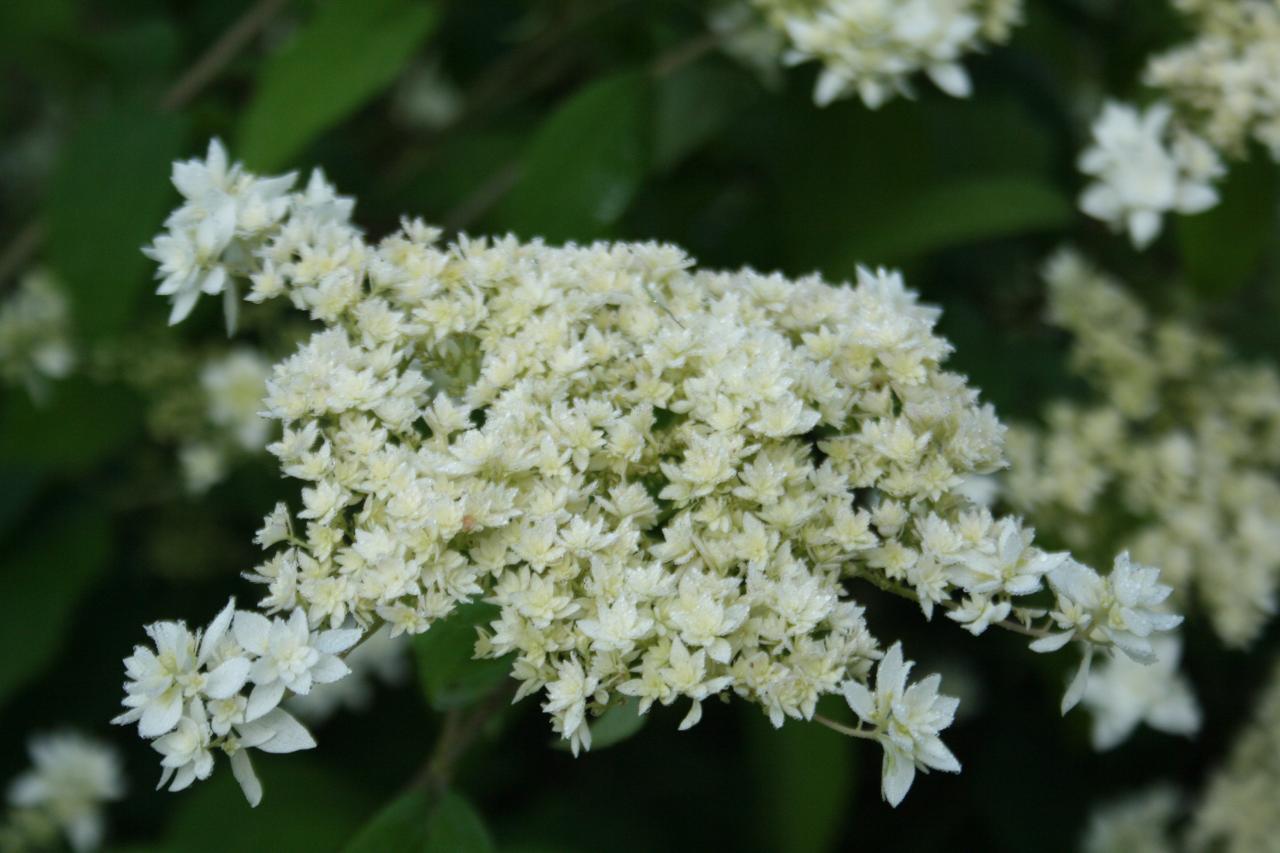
(1145, 169)
(873, 48)
(70, 780)
(906, 721)
(1124, 693)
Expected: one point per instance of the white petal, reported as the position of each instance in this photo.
(227, 678)
(216, 631)
(1053, 642)
(242, 768)
(952, 79)
(160, 716)
(691, 719)
(335, 641)
(263, 699)
(289, 735)
(897, 772)
(1144, 226)
(859, 699)
(252, 631)
(328, 669)
(1075, 690)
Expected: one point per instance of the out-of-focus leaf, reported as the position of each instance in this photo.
(398, 827)
(42, 579)
(690, 107)
(345, 55)
(962, 210)
(79, 424)
(613, 726)
(1222, 247)
(585, 164)
(106, 200)
(20, 486)
(805, 775)
(304, 807)
(449, 674)
(419, 822)
(454, 827)
(24, 26)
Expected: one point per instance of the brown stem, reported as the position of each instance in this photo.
(460, 729)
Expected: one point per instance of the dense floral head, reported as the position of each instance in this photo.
(663, 478)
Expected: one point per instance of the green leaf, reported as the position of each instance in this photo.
(613, 726)
(450, 675)
(107, 198)
(77, 426)
(48, 571)
(418, 822)
(345, 55)
(399, 827)
(454, 827)
(691, 107)
(1223, 247)
(585, 164)
(959, 211)
(805, 775)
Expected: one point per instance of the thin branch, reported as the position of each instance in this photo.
(460, 729)
(199, 75)
(843, 729)
(901, 591)
(234, 39)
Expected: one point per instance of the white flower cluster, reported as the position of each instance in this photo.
(35, 334)
(71, 778)
(873, 48)
(190, 692)
(1139, 823)
(1237, 811)
(214, 237)
(233, 385)
(1216, 94)
(1181, 437)
(1144, 167)
(665, 479)
(1227, 79)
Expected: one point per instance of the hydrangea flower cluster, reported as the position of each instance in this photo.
(1181, 436)
(71, 778)
(35, 334)
(667, 480)
(1216, 94)
(1227, 79)
(1144, 167)
(220, 688)
(1235, 813)
(873, 48)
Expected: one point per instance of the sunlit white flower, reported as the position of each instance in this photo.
(163, 680)
(906, 721)
(288, 656)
